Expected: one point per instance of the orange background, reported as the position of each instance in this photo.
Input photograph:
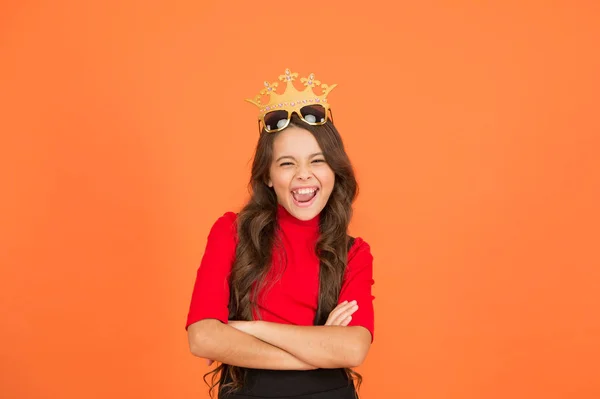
(474, 130)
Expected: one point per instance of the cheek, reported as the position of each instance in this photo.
(327, 179)
(280, 180)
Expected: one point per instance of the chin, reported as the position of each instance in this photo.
(305, 213)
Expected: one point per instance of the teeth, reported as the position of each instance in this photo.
(305, 191)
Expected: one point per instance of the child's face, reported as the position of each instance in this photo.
(301, 178)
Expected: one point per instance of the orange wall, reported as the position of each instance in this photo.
(474, 131)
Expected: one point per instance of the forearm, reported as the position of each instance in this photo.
(322, 346)
(214, 340)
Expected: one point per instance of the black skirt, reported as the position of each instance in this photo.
(311, 384)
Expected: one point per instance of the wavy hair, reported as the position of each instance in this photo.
(257, 225)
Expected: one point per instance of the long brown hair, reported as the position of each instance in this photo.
(256, 227)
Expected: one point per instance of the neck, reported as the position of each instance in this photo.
(285, 217)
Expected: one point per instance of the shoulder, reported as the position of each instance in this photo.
(360, 250)
(225, 225)
(227, 219)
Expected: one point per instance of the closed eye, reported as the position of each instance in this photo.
(318, 160)
(286, 164)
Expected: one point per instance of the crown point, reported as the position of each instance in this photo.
(291, 97)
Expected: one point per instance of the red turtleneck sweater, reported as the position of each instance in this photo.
(291, 299)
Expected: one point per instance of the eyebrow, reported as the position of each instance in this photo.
(291, 157)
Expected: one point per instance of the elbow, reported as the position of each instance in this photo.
(195, 345)
(359, 349)
(352, 358)
(199, 337)
(357, 357)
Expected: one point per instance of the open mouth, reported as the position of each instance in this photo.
(304, 197)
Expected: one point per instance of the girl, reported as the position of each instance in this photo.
(282, 297)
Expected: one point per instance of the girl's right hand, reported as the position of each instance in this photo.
(342, 314)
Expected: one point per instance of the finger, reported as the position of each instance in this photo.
(343, 317)
(334, 312)
(341, 312)
(340, 306)
(346, 321)
(343, 309)
(333, 315)
(338, 315)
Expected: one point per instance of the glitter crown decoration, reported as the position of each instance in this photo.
(291, 97)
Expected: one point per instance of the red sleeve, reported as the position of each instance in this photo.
(357, 284)
(210, 297)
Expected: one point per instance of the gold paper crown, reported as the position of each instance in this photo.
(291, 97)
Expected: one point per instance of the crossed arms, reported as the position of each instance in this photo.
(266, 345)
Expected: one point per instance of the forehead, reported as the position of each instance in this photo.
(295, 141)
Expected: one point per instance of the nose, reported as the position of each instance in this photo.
(304, 172)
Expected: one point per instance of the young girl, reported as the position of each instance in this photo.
(282, 297)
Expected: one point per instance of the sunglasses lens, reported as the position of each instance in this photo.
(316, 114)
(276, 120)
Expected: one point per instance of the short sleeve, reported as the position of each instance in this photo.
(357, 285)
(210, 296)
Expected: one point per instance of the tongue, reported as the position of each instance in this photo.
(304, 197)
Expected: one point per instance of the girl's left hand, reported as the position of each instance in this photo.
(342, 314)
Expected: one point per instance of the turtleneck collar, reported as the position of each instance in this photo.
(286, 218)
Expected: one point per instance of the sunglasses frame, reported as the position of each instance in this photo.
(295, 110)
